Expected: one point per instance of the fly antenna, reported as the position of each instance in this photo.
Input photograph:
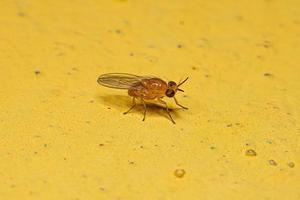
(182, 82)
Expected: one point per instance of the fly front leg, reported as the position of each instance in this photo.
(145, 109)
(179, 104)
(167, 109)
(133, 105)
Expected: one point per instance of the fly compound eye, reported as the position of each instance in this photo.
(170, 93)
(171, 84)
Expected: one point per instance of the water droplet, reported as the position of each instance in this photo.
(291, 164)
(179, 173)
(250, 152)
(272, 162)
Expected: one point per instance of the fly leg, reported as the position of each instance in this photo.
(179, 104)
(133, 105)
(167, 109)
(145, 109)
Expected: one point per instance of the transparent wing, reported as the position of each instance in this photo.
(120, 80)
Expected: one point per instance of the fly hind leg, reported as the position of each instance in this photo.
(133, 105)
(145, 109)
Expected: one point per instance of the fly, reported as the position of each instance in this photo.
(143, 88)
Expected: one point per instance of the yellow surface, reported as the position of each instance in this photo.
(62, 136)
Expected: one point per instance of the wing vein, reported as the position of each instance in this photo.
(120, 80)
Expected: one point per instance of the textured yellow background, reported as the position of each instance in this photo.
(62, 136)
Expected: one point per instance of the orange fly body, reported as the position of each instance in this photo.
(143, 88)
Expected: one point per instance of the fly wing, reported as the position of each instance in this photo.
(120, 80)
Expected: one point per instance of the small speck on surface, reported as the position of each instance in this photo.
(21, 14)
(84, 176)
(268, 74)
(272, 162)
(179, 46)
(194, 68)
(239, 18)
(179, 173)
(269, 141)
(37, 72)
(291, 164)
(130, 162)
(250, 152)
(101, 145)
(61, 54)
(259, 57)
(267, 44)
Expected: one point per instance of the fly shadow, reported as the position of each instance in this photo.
(122, 103)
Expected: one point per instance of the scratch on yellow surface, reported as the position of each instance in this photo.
(62, 136)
